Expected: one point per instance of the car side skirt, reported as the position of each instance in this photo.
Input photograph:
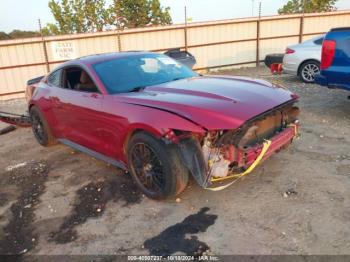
(93, 153)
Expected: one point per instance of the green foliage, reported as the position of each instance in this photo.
(18, 34)
(50, 29)
(79, 16)
(159, 15)
(23, 34)
(4, 36)
(307, 6)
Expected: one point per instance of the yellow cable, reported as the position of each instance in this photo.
(296, 133)
(266, 146)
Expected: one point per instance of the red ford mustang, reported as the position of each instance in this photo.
(147, 113)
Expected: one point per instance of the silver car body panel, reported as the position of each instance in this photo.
(307, 50)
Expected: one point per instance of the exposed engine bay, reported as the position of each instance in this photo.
(230, 152)
(224, 151)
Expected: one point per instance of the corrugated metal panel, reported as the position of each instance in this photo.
(14, 96)
(225, 54)
(15, 79)
(221, 33)
(279, 27)
(325, 23)
(87, 46)
(153, 40)
(21, 54)
(275, 45)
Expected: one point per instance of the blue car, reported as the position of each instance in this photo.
(335, 60)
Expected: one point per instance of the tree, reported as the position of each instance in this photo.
(4, 36)
(79, 16)
(139, 13)
(158, 15)
(23, 34)
(307, 6)
(18, 34)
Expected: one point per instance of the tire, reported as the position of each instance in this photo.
(308, 70)
(273, 59)
(40, 128)
(156, 167)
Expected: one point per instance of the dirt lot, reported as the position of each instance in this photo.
(58, 201)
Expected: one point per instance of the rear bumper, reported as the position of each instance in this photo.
(290, 64)
(321, 80)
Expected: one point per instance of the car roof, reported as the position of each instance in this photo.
(97, 58)
(309, 42)
(314, 38)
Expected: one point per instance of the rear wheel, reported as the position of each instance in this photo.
(308, 70)
(41, 129)
(156, 167)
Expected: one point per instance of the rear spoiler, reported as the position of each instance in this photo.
(34, 80)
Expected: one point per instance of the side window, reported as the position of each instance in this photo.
(55, 78)
(75, 78)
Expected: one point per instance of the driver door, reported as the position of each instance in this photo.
(81, 103)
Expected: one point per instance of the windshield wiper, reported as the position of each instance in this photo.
(137, 89)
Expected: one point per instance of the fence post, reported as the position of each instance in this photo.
(257, 42)
(301, 28)
(185, 29)
(45, 50)
(119, 41)
(258, 37)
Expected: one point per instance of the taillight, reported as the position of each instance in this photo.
(289, 51)
(328, 51)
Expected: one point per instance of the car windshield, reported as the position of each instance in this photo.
(132, 73)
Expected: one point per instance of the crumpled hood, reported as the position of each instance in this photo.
(213, 102)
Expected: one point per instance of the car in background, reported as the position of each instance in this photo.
(182, 56)
(335, 61)
(149, 114)
(303, 60)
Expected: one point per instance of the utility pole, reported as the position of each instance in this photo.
(44, 47)
(258, 39)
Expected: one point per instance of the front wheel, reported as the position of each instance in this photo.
(308, 70)
(156, 167)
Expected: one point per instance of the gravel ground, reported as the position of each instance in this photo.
(58, 201)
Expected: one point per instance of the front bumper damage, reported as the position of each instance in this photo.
(215, 175)
(221, 158)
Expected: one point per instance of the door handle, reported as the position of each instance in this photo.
(55, 101)
(94, 95)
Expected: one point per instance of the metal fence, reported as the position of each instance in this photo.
(239, 42)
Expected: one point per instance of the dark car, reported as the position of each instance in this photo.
(335, 61)
(149, 114)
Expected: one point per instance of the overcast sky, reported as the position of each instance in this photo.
(24, 14)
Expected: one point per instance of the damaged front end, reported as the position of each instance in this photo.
(219, 158)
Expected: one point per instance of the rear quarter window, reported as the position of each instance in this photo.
(319, 41)
(55, 78)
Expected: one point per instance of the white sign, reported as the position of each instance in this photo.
(63, 50)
